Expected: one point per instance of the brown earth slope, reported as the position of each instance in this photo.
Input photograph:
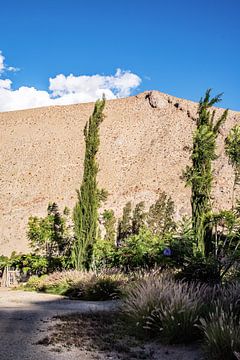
(145, 143)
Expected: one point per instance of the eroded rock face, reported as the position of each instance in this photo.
(143, 150)
(156, 100)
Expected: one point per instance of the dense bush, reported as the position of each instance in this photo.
(31, 264)
(34, 283)
(3, 262)
(51, 235)
(199, 268)
(104, 254)
(143, 250)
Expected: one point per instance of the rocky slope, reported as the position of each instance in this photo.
(145, 142)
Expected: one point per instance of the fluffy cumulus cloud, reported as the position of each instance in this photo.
(65, 90)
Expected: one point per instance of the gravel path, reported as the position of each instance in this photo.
(25, 317)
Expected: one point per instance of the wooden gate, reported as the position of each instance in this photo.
(9, 277)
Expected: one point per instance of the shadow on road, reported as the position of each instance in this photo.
(24, 322)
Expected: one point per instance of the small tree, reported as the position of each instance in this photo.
(232, 148)
(109, 222)
(199, 176)
(160, 216)
(85, 214)
(138, 218)
(49, 235)
(125, 224)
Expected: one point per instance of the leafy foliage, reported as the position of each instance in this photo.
(109, 222)
(142, 250)
(138, 218)
(104, 254)
(125, 224)
(50, 236)
(160, 216)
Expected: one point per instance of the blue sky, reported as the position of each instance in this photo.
(178, 47)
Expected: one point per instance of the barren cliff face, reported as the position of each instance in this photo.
(145, 143)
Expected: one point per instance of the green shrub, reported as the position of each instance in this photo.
(34, 283)
(4, 260)
(104, 253)
(142, 250)
(221, 335)
(198, 268)
(32, 264)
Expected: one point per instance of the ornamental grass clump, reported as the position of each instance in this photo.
(85, 285)
(105, 286)
(221, 333)
(229, 298)
(165, 308)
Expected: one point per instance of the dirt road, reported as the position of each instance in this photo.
(24, 319)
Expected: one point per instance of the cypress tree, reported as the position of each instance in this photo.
(200, 176)
(85, 214)
(232, 148)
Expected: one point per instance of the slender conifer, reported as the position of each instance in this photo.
(85, 213)
(200, 175)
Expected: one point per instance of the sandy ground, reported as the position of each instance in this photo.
(26, 317)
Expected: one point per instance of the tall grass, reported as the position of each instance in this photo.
(81, 284)
(221, 333)
(180, 312)
(165, 308)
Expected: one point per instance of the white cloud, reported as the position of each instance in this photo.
(4, 67)
(65, 90)
(13, 69)
(5, 84)
(1, 62)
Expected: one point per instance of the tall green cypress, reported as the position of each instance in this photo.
(232, 148)
(200, 176)
(85, 214)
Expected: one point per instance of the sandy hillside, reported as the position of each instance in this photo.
(145, 143)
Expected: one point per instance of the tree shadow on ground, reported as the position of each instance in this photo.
(66, 329)
(24, 325)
